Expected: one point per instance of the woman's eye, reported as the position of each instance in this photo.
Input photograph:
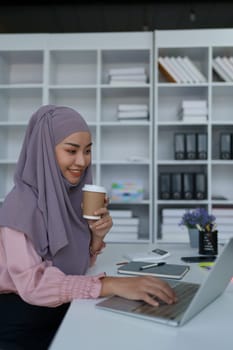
(88, 151)
(71, 151)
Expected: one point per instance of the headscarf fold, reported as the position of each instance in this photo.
(42, 204)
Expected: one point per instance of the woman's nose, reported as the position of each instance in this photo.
(80, 159)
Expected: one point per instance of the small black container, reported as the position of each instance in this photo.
(208, 243)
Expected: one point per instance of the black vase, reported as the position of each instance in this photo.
(208, 243)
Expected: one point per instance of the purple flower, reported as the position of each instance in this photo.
(199, 216)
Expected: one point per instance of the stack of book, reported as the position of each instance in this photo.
(224, 221)
(121, 213)
(180, 70)
(171, 231)
(132, 112)
(127, 76)
(223, 67)
(125, 226)
(193, 111)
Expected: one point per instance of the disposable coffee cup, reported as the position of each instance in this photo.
(93, 199)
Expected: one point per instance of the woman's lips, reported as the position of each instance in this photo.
(75, 173)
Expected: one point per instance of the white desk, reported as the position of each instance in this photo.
(86, 327)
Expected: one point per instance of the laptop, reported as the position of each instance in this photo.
(192, 297)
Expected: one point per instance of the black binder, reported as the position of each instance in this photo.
(188, 186)
(179, 146)
(165, 186)
(176, 184)
(200, 186)
(191, 149)
(225, 146)
(202, 145)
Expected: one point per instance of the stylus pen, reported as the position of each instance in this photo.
(145, 267)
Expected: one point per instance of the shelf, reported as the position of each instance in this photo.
(6, 178)
(180, 123)
(21, 67)
(124, 151)
(181, 162)
(83, 100)
(10, 142)
(73, 70)
(202, 47)
(73, 67)
(122, 59)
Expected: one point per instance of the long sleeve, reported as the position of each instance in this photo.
(22, 271)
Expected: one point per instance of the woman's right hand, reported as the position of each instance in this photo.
(139, 288)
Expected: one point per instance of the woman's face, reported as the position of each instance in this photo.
(73, 155)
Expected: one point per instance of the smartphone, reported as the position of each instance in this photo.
(160, 252)
(154, 255)
(201, 258)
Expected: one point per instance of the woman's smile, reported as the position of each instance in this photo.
(75, 172)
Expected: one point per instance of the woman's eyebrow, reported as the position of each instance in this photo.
(76, 144)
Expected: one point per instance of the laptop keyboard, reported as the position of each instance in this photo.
(184, 291)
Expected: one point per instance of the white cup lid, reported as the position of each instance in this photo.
(94, 188)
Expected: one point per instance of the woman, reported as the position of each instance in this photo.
(46, 246)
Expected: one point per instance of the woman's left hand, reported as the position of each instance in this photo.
(100, 227)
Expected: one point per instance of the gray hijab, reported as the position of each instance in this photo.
(42, 204)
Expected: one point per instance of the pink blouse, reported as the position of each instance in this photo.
(22, 271)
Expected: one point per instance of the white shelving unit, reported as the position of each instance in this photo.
(72, 70)
(201, 46)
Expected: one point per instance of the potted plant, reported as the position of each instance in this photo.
(198, 220)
